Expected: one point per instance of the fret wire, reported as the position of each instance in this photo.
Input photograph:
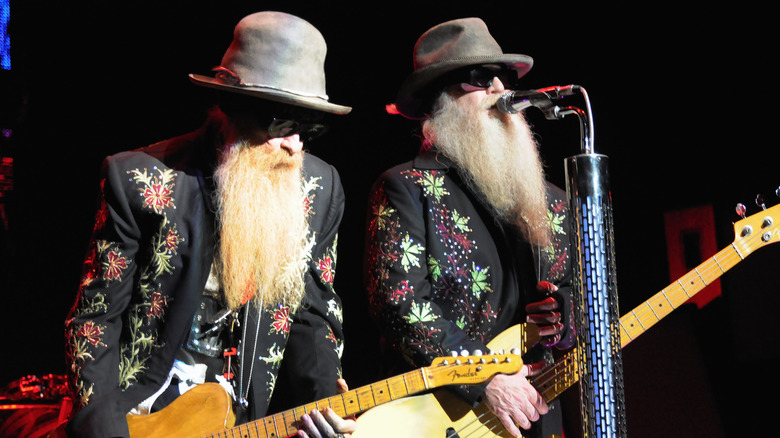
(683, 288)
(276, 428)
(699, 274)
(652, 310)
(625, 330)
(737, 250)
(556, 369)
(637, 319)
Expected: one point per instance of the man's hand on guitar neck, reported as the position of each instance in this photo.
(325, 423)
(514, 401)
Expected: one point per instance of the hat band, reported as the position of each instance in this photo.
(228, 77)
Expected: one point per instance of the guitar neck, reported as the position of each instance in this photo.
(565, 371)
(678, 293)
(349, 403)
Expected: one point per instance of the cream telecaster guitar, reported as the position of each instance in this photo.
(441, 414)
(206, 410)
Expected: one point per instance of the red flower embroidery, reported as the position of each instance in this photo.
(171, 240)
(307, 203)
(157, 306)
(400, 292)
(157, 196)
(325, 265)
(91, 332)
(114, 266)
(281, 322)
(331, 336)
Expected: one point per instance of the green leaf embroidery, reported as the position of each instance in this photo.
(411, 251)
(434, 268)
(556, 222)
(460, 222)
(434, 185)
(420, 313)
(479, 280)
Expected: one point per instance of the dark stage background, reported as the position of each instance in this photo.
(683, 107)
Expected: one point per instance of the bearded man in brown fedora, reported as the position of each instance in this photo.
(468, 239)
(213, 258)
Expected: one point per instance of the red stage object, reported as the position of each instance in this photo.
(690, 239)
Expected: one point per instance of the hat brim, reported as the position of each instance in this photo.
(275, 95)
(410, 100)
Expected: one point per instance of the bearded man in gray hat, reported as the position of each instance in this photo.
(210, 272)
(468, 239)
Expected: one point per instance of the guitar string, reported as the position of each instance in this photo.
(674, 293)
(561, 367)
(360, 393)
(679, 289)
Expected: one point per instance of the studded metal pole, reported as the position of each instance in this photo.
(595, 290)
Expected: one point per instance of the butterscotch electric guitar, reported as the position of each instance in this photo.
(441, 414)
(206, 410)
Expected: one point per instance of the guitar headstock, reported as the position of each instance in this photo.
(472, 369)
(763, 224)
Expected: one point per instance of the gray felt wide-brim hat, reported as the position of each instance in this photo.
(445, 48)
(278, 57)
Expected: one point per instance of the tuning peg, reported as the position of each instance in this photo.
(477, 353)
(777, 192)
(760, 202)
(741, 210)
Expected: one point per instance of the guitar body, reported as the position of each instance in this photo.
(207, 409)
(203, 410)
(437, 414)
(441, 413)
(389, 408)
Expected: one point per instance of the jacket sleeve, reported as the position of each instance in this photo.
(398, 276)
(558, 269)
(312, 356)
(95, 323)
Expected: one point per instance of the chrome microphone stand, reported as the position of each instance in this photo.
(599, 355)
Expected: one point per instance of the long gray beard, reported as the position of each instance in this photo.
(500, 159)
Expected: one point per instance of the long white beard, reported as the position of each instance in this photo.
(500, 158)
(263, 228)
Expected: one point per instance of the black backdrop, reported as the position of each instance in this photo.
(682, 104)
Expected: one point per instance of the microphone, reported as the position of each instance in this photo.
(515, 101)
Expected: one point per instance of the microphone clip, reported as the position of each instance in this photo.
(513, 102)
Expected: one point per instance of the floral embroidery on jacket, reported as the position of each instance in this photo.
(462, 285)
(157, 190)
(281, 320)
(557, 253)
(309, 186)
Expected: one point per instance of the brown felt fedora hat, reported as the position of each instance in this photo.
(275, 56)
(447, 47)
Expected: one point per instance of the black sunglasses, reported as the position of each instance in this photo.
(285, 127)
(482, 76)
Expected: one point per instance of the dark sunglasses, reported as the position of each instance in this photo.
(285, 127)
(482, 76)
